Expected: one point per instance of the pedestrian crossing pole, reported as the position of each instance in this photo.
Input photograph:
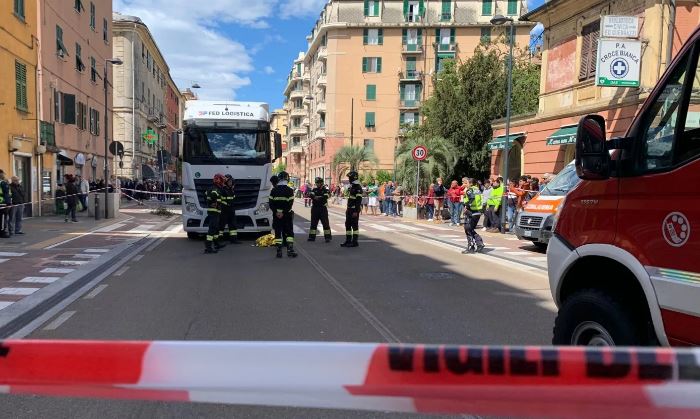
(418, 180)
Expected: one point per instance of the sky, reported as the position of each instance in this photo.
(234, 49)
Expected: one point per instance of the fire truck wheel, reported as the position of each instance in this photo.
(193, 236)
(594, 318)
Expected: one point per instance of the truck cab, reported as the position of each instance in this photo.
(624, 259)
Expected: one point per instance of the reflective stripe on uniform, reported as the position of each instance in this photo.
(278, 241)
(356, 232)
(348, 232)
(313, 232)
(290, 239)
(210, 238)
(326, 232)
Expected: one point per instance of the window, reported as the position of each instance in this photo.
(373, 37)
(322, 121)
(19, 9)
(408, 118)
(105, 33)
(81, 119)
(486, 7)
(371, 93)
(93, 69)
(94, 122)
(92, 16)
(445, 38)
(143, 52)
(372, 65)
(56, 105)
(371, 7)
(68, 108)
(368, 144)
(78, 58)
(79, 6)
(60, 47)
(446, 13)
(413, 10)
(298, 104)
(369, 120)
(485, 35)
(512, 7)
(589, 50)
(21, 100)
(440, 61)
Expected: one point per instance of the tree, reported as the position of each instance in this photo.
(352, 158)
(279, 168)
(441, 161)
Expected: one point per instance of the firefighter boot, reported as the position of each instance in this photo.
(218, 245)
(347, 242)
(279, 251)
(291, 253)
(208, 247)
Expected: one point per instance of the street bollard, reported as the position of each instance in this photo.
(97, 207)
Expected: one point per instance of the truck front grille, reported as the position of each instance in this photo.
(246, 190)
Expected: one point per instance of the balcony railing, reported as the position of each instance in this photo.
(410, 75)
(452, 47)
(322, 79)
(298, 93)
(445, 17)
(412, 49)
(299, 112)
(300, 130)
(321, 107)
(295, 148)
(415, 17)
(320, 133)
(409, 104)
(322, 53)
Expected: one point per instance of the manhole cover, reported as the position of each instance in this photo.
(437, 275)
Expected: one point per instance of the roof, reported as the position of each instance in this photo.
(118, 17)
(538, 11)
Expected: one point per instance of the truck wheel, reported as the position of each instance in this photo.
(593, 318)
(540, 245)
(192, 236)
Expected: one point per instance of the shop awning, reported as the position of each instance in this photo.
(499, 143)
(564, 135)
(63, 159)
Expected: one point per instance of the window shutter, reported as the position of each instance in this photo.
(452, 36)
(418, 86)
(379, 65)
(437, 36)
(18, 85)
(446, 7)
(402, 94)
(589, 47)
(420, 36)
(366, 7)
(421, 7)
(365, 37)
(367, 119)
(410, 63)
(401, 118)
(380, 36)
(364, 64)
(371, 92)
(405, 7)
(512, 7)
(376, 8)
(486, 7)
(404, 37)
(68, 109)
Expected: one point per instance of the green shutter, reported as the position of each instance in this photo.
(380, 36)
(446, 7)
(401, 118)
(421, 7)
(405, 7)
(512, 7)
(418, 88)
(486, 7)
(437, 36)
(452, 36)
(366, 7)
(364, 64)
(402, 94)
(369, 119)
(410, 63)
(404, 37)
(371, 92)
(420, 36)
(21, 86)
(365, 37)
(379, 65)
(376, 8)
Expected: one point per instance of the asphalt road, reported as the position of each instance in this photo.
(394, 287)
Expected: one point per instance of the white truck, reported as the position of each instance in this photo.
(228, 138)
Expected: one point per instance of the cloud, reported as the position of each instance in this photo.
(301, 8)
(268, 70)
(195, 49)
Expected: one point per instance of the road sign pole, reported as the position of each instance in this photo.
(418, 181)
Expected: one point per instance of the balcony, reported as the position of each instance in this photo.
(297, 94)
(446, 47)
(322, 80)
(412, 49)
(409, 75)
(322, 53)
(295, 148)
(307, 76)
(409, 104)
(413, 18)
(320, 133)
(305, 122)
(296, 75)
(321, 107)
(445, 17)
(300, 130)
(299, 112)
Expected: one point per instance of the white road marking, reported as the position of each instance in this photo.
(538, 258)
(138, 258)
(450, 237)
(299, 230)
(511, 238)
(86, 256)
(109, 228)
(71, 262)
(11, 254)
(406, 227)
(518, 253)
(98, 289)
(497, 248)
(380, 227)
(59, 320)
(18, 291)
(56, 270)
(3, 260)
(439, 228)
(40, 279)
(142, 228)
(121, 271)
(5, 304)
(96, 250)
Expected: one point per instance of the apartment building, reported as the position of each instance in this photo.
(142, 86)
(369, 66)
(279, 124)
(174, 112)
(545, 142)
(20, 151)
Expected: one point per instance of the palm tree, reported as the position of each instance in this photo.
(441, 161)
(352, 158)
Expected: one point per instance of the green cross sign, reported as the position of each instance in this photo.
(150, 136)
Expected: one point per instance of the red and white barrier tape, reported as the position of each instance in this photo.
(501, 381)
(151, 193)
(56, 198)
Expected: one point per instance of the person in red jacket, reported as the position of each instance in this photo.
(454, 195)
(430, 202)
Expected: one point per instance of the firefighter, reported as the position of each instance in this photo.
(227, 224)
(352, 214)
(472, 213)
(281, 201)
(214, 206)
(319, 210)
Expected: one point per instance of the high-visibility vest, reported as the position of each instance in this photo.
(476, 203)
(496, 196)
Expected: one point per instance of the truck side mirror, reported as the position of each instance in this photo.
(592, 157)
(278, 145)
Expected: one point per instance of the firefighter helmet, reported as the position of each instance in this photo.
(283, 176)
(353, 176)
(319, 181)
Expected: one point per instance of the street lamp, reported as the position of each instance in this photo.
(501, 20)
(113, 61)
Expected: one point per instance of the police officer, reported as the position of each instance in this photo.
(319, 210)
(472, 213)
(215, 203)
(352, 214)
(227, 224)
(281, 201)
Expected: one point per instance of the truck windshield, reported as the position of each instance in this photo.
(214, 145)
(562, 183)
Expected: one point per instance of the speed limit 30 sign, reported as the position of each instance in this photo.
(420, 153)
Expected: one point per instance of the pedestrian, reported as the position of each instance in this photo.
(485, 196)
(319, 211)
(535, 184)
(72, 193)
(389, 199)
(472, 213)
(430, 203)
(454, 197)
(365, 198)
(439, 192)
(494, 204)
(227, 223)
(84, 191)
(381, 197)
(352, 214)
(305, 193)
(5, 202)
(398, 201)
(213, 196)
(372, 194)
(511, 204)
(281, 202)
(17, 209)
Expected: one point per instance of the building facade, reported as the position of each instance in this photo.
(545, 142)
(370, 65)
(20, 151)
(279, 124)
(141, 90)
(76, 42)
